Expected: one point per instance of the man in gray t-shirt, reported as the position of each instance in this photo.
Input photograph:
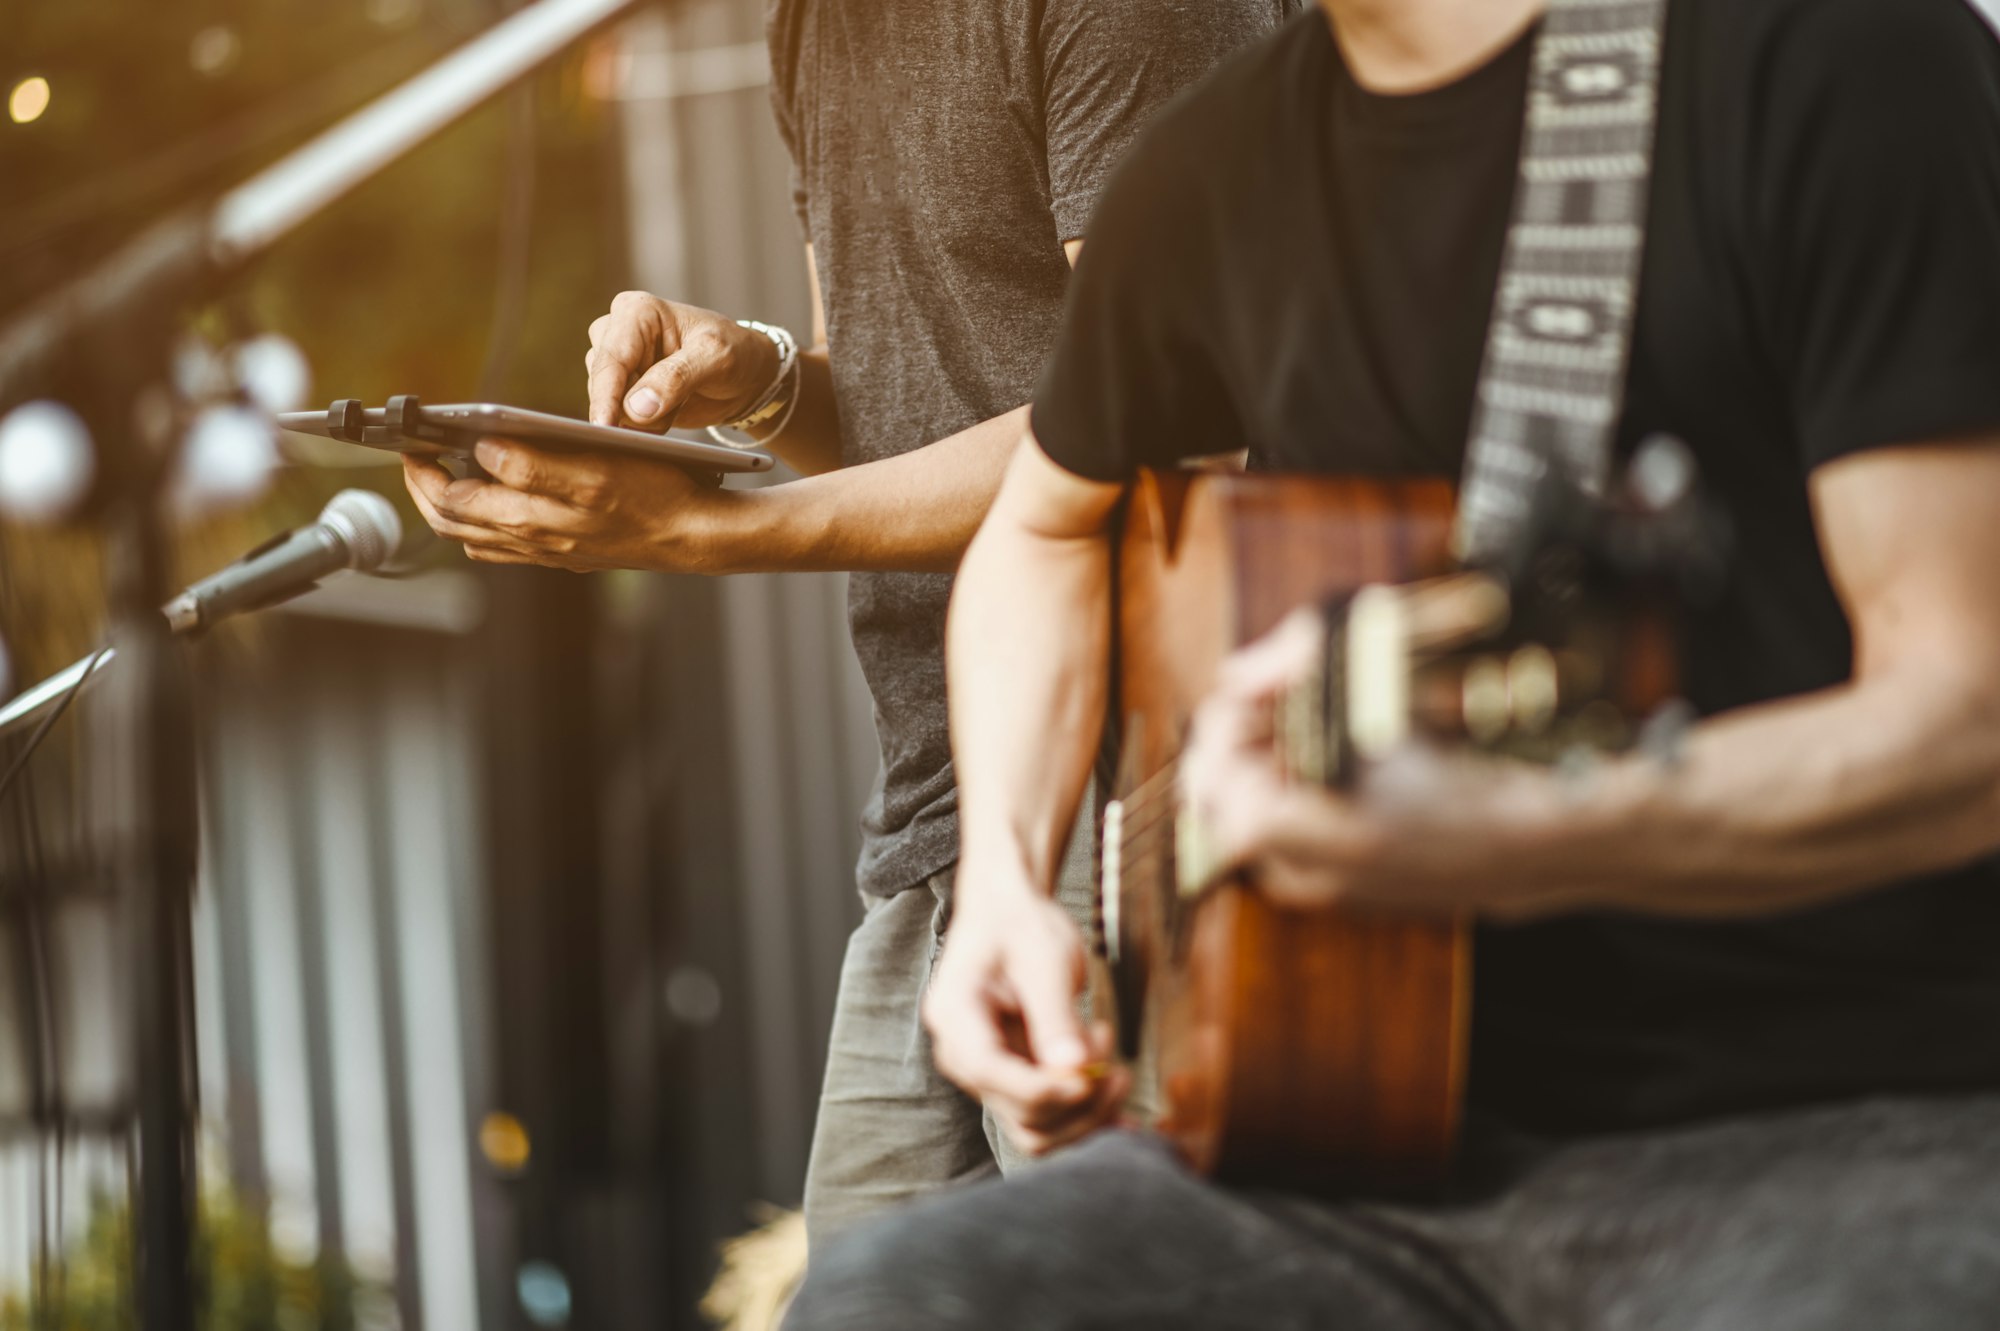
(947, 156)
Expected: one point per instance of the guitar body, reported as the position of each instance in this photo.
(1323, 1046)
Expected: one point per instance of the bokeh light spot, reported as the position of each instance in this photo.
(214, 50)
(504, 1142)
(544, 1293)
(28, 100)
(391, 13)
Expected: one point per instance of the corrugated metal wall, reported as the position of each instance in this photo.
(339, 934)
(341, 982)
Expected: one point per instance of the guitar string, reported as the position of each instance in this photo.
(1159, 838)
(1149, 811)
(1149, 788)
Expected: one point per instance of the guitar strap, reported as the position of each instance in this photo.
(1553, 379)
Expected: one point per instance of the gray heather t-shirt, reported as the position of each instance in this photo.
(944, 151)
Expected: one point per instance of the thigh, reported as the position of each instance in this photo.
(889, 1126)
(1882, 1213)
(1117, 1234)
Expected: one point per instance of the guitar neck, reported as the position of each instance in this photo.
(1358, 701)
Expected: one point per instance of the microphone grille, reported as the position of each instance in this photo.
(367, 523)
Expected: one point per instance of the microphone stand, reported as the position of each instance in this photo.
(31, 705)
(102, 345)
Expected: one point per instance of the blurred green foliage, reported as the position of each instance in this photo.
(394, 289)
(246, 1284)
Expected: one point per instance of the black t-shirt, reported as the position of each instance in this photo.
(1292, 262)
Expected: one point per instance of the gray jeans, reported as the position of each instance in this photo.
(1868, 1215)
(890, 1126)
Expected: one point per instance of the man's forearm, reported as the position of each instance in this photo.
(913, 512)
(1784, 804)
(1026, 654)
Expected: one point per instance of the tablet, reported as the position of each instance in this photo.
(451, 430)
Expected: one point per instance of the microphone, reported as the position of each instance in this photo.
(357, 529)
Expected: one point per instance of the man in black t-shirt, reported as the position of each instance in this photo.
(1736, 1039)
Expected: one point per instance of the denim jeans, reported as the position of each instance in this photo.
(1882, 1213)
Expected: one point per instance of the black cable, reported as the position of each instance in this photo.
(48, 722)
(516, 243)
(517, 218)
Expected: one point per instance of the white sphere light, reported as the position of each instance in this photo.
(226, 460)
(273, 371)
(46, 462)
(197, 372)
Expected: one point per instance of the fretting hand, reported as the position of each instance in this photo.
(1427, 830)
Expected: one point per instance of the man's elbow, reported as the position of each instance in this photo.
(1959, 753)
(1044, 502)
(1981, 714)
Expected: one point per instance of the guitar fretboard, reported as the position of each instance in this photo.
(1553, 380)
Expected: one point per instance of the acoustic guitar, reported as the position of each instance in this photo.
(1328, 1045)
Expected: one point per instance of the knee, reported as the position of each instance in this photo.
(904, 1271)
(996, 1254)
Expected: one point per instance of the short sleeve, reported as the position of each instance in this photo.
(1132, 380)
(1876, 180)
(1109, 65)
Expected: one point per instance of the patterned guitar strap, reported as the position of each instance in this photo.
(1553, 379)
